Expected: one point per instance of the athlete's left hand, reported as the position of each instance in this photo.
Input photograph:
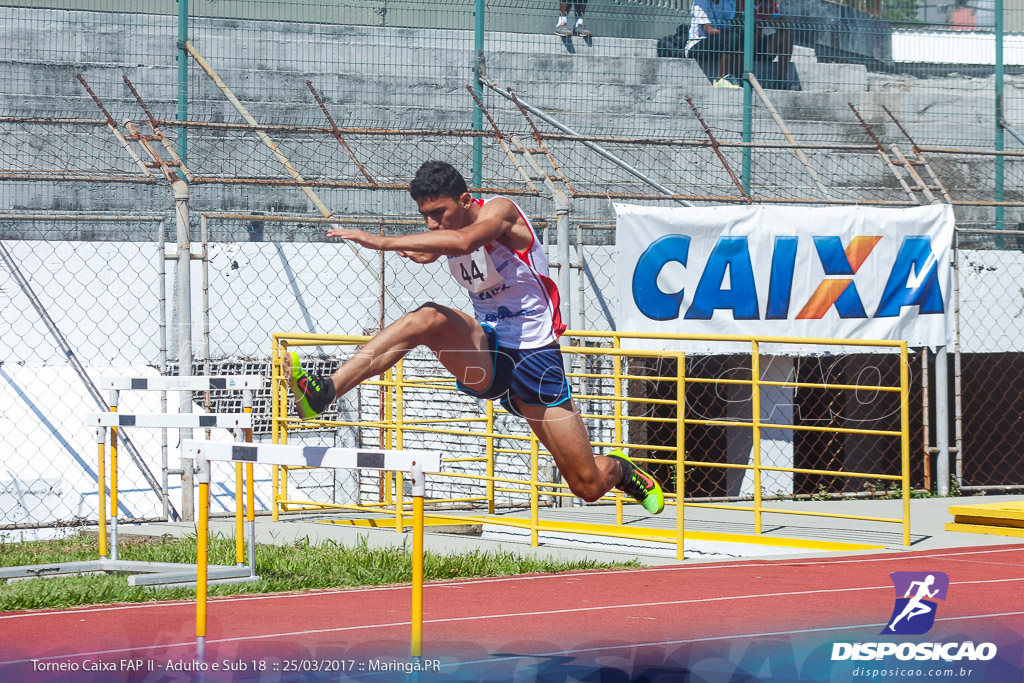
(365, 239)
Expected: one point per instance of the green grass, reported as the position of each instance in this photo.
(299, 566)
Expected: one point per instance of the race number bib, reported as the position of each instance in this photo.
(475, 271)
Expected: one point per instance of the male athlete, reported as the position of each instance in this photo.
(509, 352)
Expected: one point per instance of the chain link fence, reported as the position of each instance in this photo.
(356, 96)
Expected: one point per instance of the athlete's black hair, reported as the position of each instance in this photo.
(437, 179)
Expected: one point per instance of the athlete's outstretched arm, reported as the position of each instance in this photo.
(493, 220)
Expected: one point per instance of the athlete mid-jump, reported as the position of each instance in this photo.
(916, 606)
(509, 352)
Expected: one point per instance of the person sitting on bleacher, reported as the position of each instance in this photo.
(713, 34)
(772, 40)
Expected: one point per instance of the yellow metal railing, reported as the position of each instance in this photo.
(397, 427)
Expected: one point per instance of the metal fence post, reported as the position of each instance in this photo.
(182, 81)
(748, 95)
(942, 421)
(183, 306)
(478, 115)
(999, 141)
(564, 258)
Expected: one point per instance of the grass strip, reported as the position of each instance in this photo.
(298, 566)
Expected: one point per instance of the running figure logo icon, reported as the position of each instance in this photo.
(914, 612)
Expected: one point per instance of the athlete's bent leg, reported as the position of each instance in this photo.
(560, 428)
(457, 340)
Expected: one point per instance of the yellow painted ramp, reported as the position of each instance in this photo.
(669, 535)
(998, 519)
(390, 522)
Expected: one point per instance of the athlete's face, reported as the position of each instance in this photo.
(445, 213)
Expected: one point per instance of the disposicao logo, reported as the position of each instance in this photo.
(916, 592)
(914, 614)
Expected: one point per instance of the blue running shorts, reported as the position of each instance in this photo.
(534, 376)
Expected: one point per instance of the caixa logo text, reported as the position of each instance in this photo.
(912, 280)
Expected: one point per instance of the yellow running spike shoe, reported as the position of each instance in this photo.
(312, 394)
(639, 484)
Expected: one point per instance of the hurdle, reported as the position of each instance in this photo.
(159, 574)
(414, 462)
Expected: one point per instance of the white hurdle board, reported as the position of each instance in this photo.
(314, 456)
(171, 420)
(185, 383)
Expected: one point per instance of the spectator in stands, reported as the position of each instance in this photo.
(773, 41)
(562, 28)
(714, 35)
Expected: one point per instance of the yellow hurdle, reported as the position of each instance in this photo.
(416, 463)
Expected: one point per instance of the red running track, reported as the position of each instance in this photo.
(625, 619)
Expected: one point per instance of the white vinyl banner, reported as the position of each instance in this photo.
(846, 272)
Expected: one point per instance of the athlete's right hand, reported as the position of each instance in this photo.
(365, 239)
(418, 256)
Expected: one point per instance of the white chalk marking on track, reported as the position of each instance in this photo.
(541, 613)
(506, 579)
(468, 582)
(662, 643)
(191, 644)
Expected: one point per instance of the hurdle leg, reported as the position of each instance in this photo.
(202, 539)
(101, 479)
(418, 490)
(113, 479)
(250, 514)
(239, 519)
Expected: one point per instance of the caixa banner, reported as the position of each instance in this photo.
(840, 272)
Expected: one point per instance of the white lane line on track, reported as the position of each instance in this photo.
(506, 579)
(191, 644)
(662, 643)
(484, 617)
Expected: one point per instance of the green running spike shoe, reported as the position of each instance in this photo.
(312, 394)
(639, 484)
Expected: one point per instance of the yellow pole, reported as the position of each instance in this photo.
(617, 410)
(534, 492)
(388, 413)
(755, 410)
(417, 576)
(399, 480)
(418, 491)
(250, 495)
(275, 491)
(490, 457)
(680, 452)
(279, 407)
(113, 479)
(905, 439)
(239, 522)
(202, 541)
(399, 502)
(101, 477)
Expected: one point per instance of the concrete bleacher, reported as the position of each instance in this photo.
(373, 76)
